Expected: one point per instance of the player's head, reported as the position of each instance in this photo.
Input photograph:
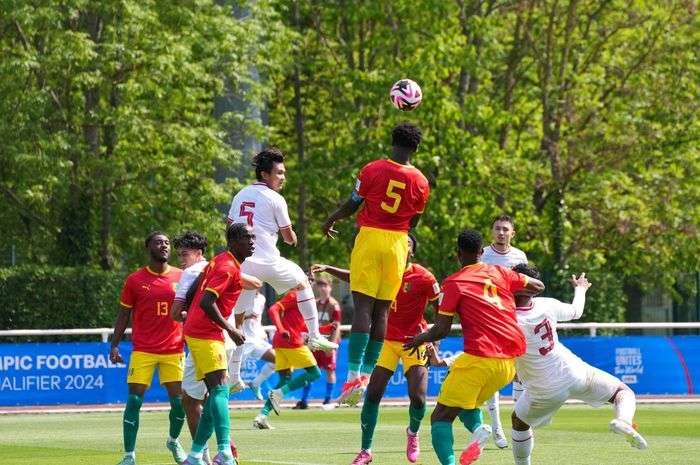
(158, 246)
(502, 230)
(405, 137)
(528, 270)
(240, 240)
(190, 247)
(470, 245)
(412, 247)
(324, 285)
(269, 168)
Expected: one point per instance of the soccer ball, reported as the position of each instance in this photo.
(405, 95)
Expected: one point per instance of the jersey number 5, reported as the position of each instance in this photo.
(247, 213)
(547, 335)
(391, 189)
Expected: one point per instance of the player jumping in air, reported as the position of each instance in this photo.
(482, 296)
(393, 193)
(157, 342)
(552, 374)
(261, 207)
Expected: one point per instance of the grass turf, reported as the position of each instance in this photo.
(578, 436)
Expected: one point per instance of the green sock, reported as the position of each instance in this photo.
(356, 350)
(177, 416)
(443, 442)
(131, 421)
(371, 355)
(205, 428)
(471, 418)
(310, 375)
(415, 416)
(222, 422)
(368, 421)
(283, 379)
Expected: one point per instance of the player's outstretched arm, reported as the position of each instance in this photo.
(581, 285)
(340, 273)
(345, 210)
(533, 287)
(441, 328)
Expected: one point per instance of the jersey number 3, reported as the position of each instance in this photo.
(391, 189)
(247, 213)
(547, 335)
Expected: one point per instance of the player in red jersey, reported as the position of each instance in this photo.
(418, 288)
(290, 353)
(146, 298)
(482, 296)
(330, 317)
(393, 193)
(207, 319)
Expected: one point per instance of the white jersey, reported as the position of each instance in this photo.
(266, 211)
(252, 323)
(513, 257)
(187, 278)
(548, 366)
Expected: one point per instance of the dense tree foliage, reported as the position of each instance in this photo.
(578, 117)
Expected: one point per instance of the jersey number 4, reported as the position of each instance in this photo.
(246, 212)
(391, 189)
(547, 335)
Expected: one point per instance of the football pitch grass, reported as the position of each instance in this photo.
(578, 436)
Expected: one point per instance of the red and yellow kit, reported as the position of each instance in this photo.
(393, 194)
(417, 289)
(149, 296)
(482, 295)
(222, 276)
(291, 318)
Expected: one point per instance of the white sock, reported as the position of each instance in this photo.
(131, 454)
(625, 405)
(518, 389)
(197, 455)
(494, 411)
(265, 373)
(235, 365)
(523, 442)
(307, 306)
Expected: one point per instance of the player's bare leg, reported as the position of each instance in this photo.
(625, 404)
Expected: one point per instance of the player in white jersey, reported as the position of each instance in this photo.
(552, 374)
(256, 346)
(262, 207)
(502, 253)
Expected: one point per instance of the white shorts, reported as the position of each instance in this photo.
(191, 385)
(282, 275)
(255, 349)
(596, 389)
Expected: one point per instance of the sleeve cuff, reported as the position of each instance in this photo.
(212, 291)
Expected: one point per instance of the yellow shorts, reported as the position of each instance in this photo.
(393, 351)
(473, 380)
(143, 364)
(377, 262)
(289, 359)
(208, 355)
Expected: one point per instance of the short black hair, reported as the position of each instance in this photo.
(505, 218)
(152, 235)
(414, 241)
(470, 241)
(406, 135)
(235, 231)
(190, 240)
(527, 270)
(265, 160)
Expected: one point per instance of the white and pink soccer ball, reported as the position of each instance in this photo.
(405, 95)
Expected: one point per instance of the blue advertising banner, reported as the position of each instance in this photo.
(81, 373)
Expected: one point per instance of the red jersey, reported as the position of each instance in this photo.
(393, 194)
(482, 295)
(149, 296)
(418, 287)
(293, 321)
(328, 312)
(222, 276)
